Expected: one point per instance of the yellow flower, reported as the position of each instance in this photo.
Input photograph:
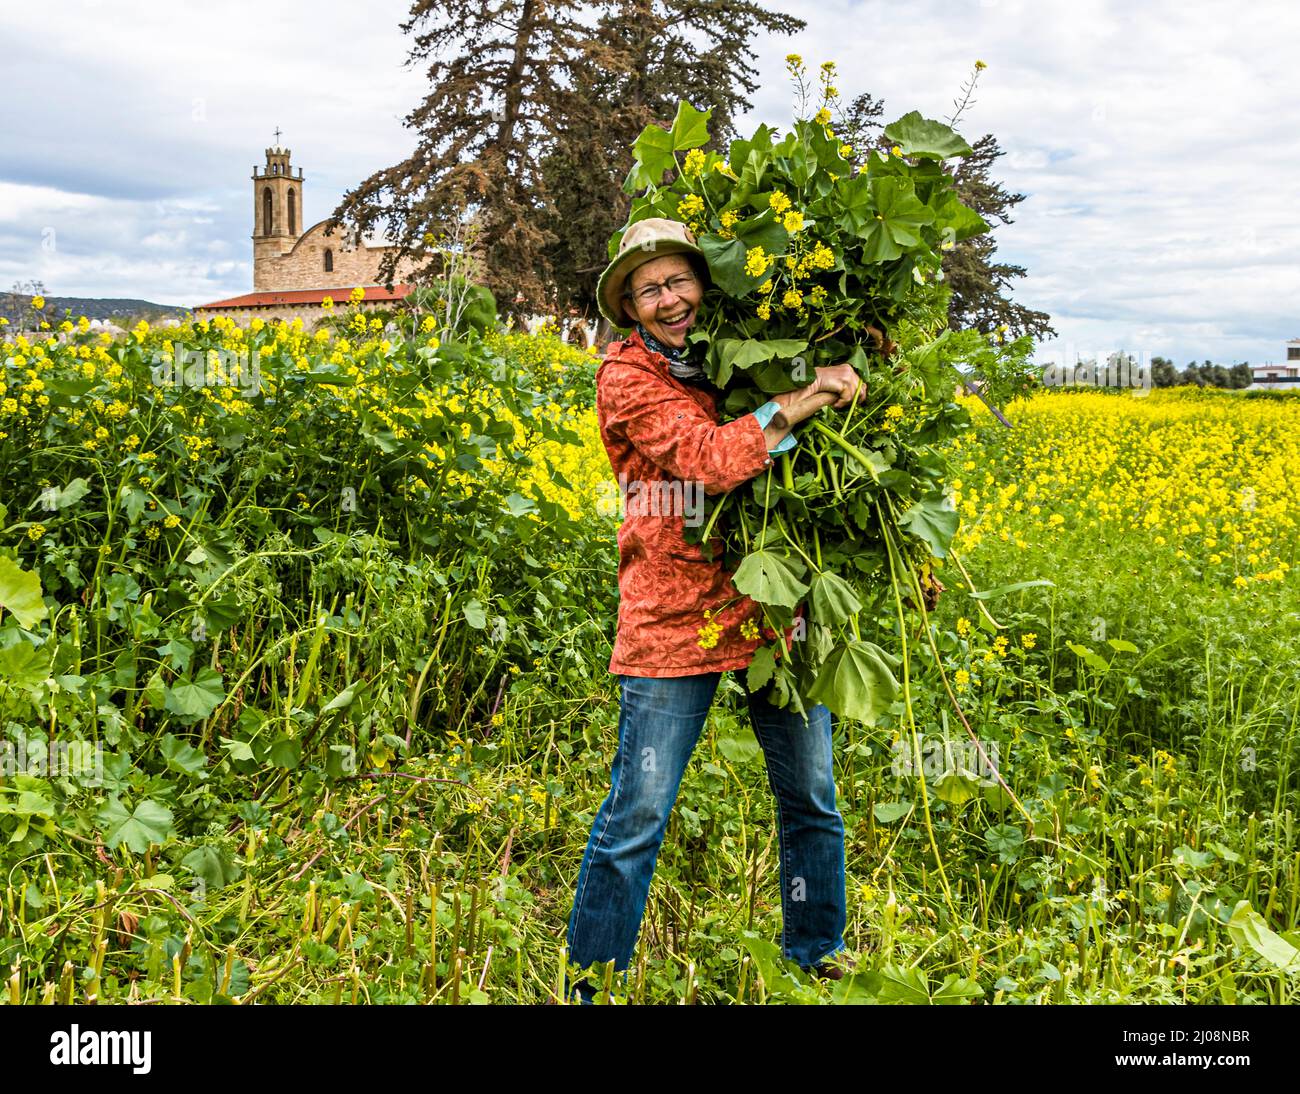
(793, 222)
(694, 162)
(823, 117)
(894, 411)
(980, 64)
(152, 532)
(35, 532)
(846, 150)
(793, 298)
(963, 626)
(171, 521)
(779, 202)
(757, 261)
(38, 302)
(327, 304)
(794, 62)
(897, 150)
(764, 311)
(1027, 639)
(357, 295)
(709, 633)
(961, 677)
(749, 630)
(691, 205)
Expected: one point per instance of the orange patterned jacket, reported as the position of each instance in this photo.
(667, 449)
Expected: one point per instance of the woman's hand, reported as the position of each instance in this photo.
(843, 381)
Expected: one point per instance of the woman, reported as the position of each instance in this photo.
(681, 621)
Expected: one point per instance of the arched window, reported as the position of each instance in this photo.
(293, 218)
(329, 260)
(268, 220)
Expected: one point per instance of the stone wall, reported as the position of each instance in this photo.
(303, 267)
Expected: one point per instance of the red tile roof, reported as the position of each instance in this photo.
(289, 297)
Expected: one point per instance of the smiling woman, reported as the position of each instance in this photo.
(681, 621)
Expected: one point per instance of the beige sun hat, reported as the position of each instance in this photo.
(643, 241)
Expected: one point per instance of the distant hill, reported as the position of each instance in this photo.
(92, 308)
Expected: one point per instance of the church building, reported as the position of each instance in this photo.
(295, 269)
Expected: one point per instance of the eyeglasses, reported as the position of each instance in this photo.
(648, 294)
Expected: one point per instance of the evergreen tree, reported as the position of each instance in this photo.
(641, 59)
(978, 281)
(497, 72)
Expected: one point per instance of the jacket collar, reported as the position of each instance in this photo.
(660, 363)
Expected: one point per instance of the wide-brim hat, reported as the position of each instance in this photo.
(642, 242)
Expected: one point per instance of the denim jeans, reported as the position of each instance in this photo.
(660, 721)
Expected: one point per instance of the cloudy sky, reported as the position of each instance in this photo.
(1156, 141)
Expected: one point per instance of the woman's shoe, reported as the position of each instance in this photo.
(835, 968)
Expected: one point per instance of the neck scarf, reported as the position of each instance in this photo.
(678, 365)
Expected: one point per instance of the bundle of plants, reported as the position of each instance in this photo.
(820, 255)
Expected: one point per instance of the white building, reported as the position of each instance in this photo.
(1283, 377)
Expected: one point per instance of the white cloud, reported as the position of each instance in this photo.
(1154, 141)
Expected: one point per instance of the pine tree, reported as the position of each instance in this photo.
(641, 59)
(979, 282)
(497, 72)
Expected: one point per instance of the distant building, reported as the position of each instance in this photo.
(1285, 376)
(295, 269)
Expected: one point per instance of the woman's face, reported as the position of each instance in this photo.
(669, 315)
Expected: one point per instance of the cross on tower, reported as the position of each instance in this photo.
(277, 134)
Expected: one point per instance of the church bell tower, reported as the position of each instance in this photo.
(277, 209)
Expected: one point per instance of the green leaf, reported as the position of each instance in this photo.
(1093, 660)
(900, 985)
(833, 599)
(1005, 840)
(194, 699)
(918, 136)
(956, 989)
(895, 225)
(20, 592)
(888, 812)
(24, 665)
(988, 594)
(60, 499)
(475, 615)
(653, 152)
(213, 864)
(239, 750)
(286, 752)
(726, 259)
(1189, 856)
(933, 520)
(182, 756)
(149, 823)
(690, 127)
(342, 700)
(1251, 931)
(857, 681)
(761, 667)
(771, 578)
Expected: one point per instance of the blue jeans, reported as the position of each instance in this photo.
(660, 721)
